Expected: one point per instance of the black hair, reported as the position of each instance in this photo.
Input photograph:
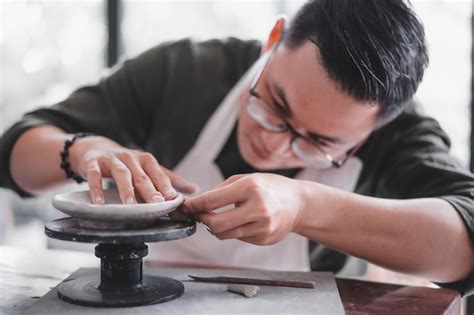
(374, 49)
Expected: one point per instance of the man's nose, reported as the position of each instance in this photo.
(276, 142)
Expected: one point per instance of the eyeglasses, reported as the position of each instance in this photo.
(271, 120)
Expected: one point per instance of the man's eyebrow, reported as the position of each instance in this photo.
(281, 94)
(312, 135)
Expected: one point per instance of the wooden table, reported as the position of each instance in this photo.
(25, 276)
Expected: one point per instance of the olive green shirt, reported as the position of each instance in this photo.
(160, 101)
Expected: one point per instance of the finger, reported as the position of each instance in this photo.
(123, 178)
(94, 180)
(227, 220)
(257, 240)
(158, 177)
(246, 231)
(230, 180)
(141, 181)
(180, 183)
(214, 199)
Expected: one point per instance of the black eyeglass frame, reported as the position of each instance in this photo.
(337, 163)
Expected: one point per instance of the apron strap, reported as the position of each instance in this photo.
(217, 130)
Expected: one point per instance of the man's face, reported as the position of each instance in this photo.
(317, 108)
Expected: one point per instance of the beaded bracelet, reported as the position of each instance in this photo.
(65, 164)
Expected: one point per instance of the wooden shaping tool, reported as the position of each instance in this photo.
(254, 281)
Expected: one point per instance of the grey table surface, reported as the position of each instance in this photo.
(28, 281)
(27, 276)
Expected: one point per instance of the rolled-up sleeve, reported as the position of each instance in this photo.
(410, 158)
(119, 107)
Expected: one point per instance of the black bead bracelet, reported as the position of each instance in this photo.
(65, 164)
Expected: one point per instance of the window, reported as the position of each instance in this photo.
(445, 91)
(48, 49)
(147, 23)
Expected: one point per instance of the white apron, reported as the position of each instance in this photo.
(203, 249)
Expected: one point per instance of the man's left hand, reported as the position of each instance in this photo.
(266, 208)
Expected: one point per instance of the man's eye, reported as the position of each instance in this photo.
(323, 143)
(281, 111)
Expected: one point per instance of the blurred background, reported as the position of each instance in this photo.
(48, 48)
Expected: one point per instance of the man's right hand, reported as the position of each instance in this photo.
(95, 158)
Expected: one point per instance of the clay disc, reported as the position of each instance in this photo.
(112, 214)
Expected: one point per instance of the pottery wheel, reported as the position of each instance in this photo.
(120, 281)
(68, 229)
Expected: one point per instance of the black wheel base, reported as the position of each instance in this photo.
(85, 291)
(120, 281)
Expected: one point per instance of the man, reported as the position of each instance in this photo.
(319, 118)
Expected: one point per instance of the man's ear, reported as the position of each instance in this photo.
(275, 34)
